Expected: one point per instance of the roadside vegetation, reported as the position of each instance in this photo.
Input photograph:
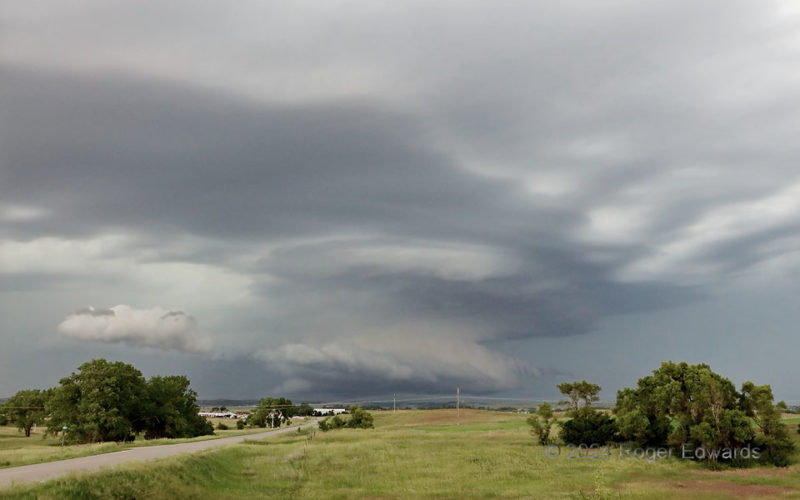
(109, 401)
(109, 406)
(416, 454)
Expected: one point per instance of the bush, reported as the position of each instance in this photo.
(359, 419)
(222, 427)
(330, 423)
(541, 422)
(589, 428)
(240, 424)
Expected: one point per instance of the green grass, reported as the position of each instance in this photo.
(791, 419)
(16, 449)
(414, 454)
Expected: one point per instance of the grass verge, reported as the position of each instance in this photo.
(414, 454)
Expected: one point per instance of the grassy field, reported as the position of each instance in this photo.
(16, 449)
(415, 454)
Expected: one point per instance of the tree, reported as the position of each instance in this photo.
(774, 436)
(589, 428)
(542, 422)
(103, 401)
(583, 391)
(171, 409)
(272, 412)
(26, 409)
(587, 424)
(666, 406)
(690, 404)
(304, 410)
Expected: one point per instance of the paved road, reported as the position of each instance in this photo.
(52, 470)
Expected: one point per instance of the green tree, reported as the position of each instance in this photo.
(773, 435)
(681, 403)
(542, 422)
(171, 409)
(103, 401)
(589, 428)
(581, 395)
(304, 410)
(271, 412)
(666, 405)
(587, 425)
(26, 409)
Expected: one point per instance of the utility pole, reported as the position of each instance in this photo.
(458, 405)
(394, 403)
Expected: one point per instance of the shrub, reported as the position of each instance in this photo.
(589, 428)
(330, 423)
(222, 427)
(541, 423)
(359, 419)
(240, 424)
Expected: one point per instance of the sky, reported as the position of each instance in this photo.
(351, 199)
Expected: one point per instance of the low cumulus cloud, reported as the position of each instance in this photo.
(157, 328)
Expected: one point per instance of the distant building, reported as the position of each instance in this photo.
(218, 414)
(324, 412)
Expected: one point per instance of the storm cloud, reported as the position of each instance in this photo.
(367, 198)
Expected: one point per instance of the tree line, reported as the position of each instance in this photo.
(272, 412)
(110, 401)
(678, 405)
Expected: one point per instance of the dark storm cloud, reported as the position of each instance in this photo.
(548, 294)
(172, 158)
(403, 188)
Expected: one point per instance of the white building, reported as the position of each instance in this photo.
(324, 412)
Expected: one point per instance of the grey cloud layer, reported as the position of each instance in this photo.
(388, 180)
